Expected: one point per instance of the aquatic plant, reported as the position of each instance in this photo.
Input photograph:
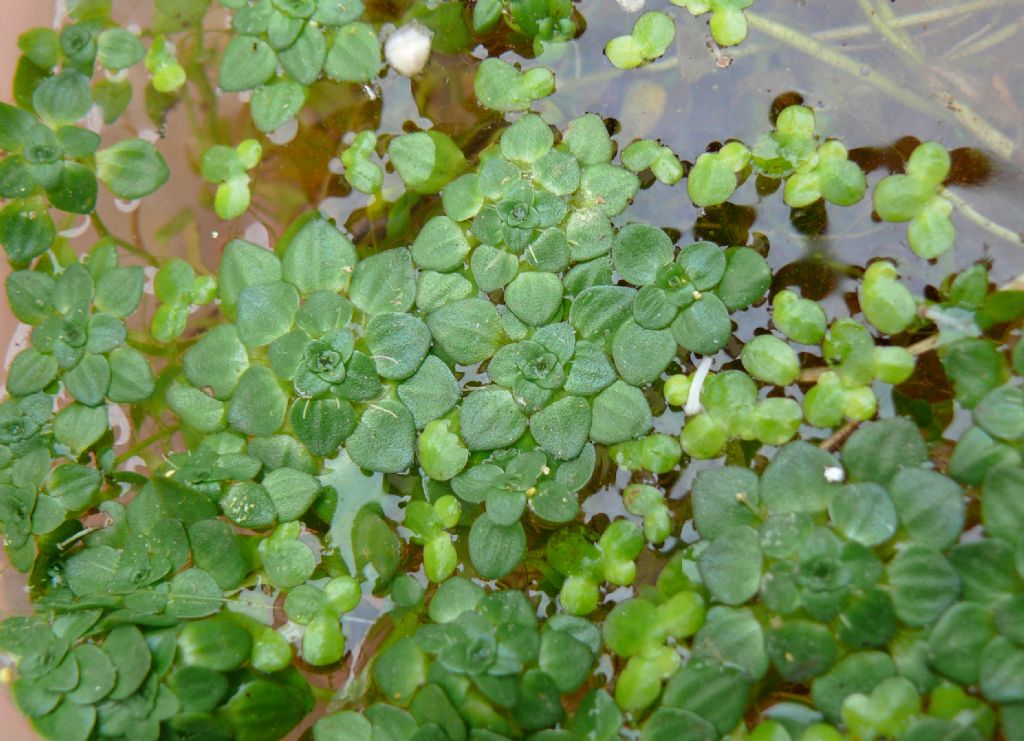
(581, 476)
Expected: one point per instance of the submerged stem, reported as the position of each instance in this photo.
(998, 142)
(103, 231)
(967, 210)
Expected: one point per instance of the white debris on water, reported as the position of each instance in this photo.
(632, 6)
(834, 475)
(408, 49)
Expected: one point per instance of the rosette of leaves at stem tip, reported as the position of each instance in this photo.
(818, 553)
(360, 172)
(280, 48)
(640, 630)
(79, 338)
(715, 176)
(855, 362)
(731, 410)
(51, 161)
(227, 168)
(728, 24)
(512, 671)
(507, 483)
(546, 22)
(684, 298)
(645, 154)
(811, 171)
(649, 39)
(205, 677)
(584, 561)
(916, 197)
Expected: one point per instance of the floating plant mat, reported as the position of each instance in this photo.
(515, 369)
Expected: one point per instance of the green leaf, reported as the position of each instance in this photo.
(608, 188)
(304, 59)
(248, 62)
(746, 279)
(502, 87)
(854, 673)
(733, 636)
(731, 565)
(355, 54)
(957, 641)
(119, 291)
(275, 104)
(534, 297)
(266, 312)
(863, 513)
(384, 439)
(724, 498)
(491, 419)
(430, 392)
(440, 245)
(495, 550)
(639, 250)
(426, 160)
(63, 98)
(217, 361)
(68, 721)
(127, 650)
(620, 413)
(30, 372)
(26, 231)
(219, 643)
(562, 428)
(194, 593)
(923, 584)
(75, 190)
(1001, 670)
(598, 311)
(877, 451)
(703, 327)
(79, 426)
(931, 506)
(666, 723)
(641, 355)
(398, 343)
(527, 140)
(258, 405)
(383, 282)
(118, 48)
(800, 649)
(769, 359)
(131, 380)
(291, 491)
(711, 690)
(651, 36)
(88, 381)
(286, 560)
(468, 330)
(319, 257)
(131, 169)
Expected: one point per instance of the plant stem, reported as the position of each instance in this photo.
(146, 442)
(838, 437)
(967, 210)
(103, 231)
(989, 40)
(998, 142)
(914, 19)
(883, 27)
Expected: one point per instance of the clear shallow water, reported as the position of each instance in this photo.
(692, 98)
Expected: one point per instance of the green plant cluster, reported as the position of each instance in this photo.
(517, 470)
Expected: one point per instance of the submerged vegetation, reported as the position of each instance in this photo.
(492, 457)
